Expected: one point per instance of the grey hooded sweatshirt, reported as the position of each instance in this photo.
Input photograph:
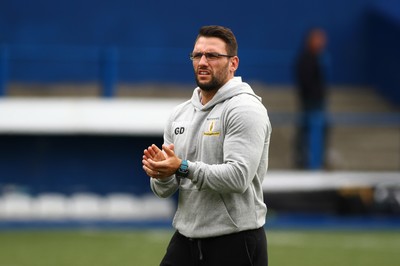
(226, 144)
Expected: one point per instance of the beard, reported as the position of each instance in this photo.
(213, 84)
(217, 80)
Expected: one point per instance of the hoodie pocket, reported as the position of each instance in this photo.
(202, 210)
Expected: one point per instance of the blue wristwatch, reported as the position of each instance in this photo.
(183, 170)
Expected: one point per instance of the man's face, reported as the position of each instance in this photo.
(317, 41)
(212, 74)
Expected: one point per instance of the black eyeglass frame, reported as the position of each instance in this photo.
(209, 56)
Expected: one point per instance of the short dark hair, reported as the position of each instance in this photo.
(222, 33)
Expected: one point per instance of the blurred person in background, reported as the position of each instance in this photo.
(312, 93)
(215, 154)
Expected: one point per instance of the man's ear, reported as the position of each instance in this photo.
(234, 63)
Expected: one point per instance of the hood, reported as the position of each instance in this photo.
(232, 88)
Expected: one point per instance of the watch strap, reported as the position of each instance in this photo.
(183, 170)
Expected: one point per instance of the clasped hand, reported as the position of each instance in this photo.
(159, 163)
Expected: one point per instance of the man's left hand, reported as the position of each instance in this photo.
(160, 164)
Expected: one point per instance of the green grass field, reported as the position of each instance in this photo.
(133, 247)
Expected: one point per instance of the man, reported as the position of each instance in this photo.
(215, 153)
(312, 95)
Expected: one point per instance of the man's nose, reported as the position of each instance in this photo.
(203, 60)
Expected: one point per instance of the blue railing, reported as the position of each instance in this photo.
(59, 63)
(3, 69)
(111, 65)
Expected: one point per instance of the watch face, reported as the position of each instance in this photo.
(183, 170)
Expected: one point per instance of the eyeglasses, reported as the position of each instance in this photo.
(209, 56)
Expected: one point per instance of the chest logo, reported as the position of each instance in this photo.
(210, 131)
(179, 130)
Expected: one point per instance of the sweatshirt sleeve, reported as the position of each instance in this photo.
(166, 187)
(247, 131)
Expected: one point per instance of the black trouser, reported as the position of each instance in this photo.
(244, 248)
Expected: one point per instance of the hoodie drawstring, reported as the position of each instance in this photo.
(200, 251)
(197, 243)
